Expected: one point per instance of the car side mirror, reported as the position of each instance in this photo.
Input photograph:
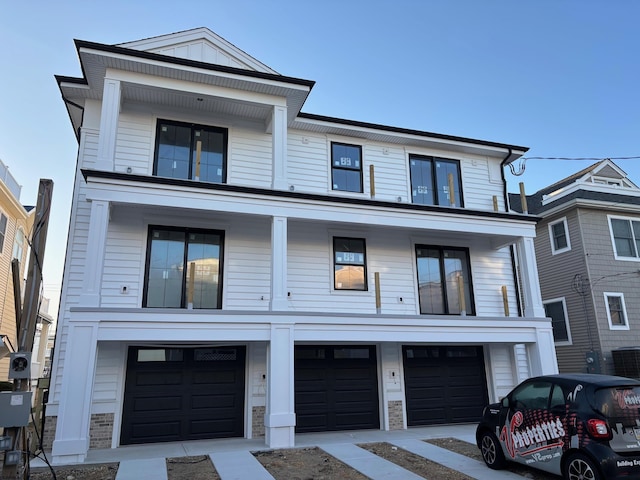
(505, 402)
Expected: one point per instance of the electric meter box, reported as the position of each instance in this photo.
(15, 409)
(20, 365)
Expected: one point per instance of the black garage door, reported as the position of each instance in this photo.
(174, 394)
(336, 388)
(444, 384)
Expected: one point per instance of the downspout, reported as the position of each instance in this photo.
(514, 267)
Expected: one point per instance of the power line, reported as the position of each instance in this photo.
(522, 162)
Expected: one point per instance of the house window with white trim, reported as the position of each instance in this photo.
(616, 311)
(556, 309)
(350, 266)
(3, 230)
(184, 268)
(559, 236)
(625, 234)
(18, 244)
(346, 167)
(190, 152)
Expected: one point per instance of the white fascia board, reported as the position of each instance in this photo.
(234, 202)
(162, 325)
(194, 88)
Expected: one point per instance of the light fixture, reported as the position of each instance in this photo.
(6, 347)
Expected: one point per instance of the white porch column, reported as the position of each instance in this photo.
(111, 96)
(279, 294)
(280, 417)
(74, 413)
(96, 241)
(542, 354)
(279, 148)
(532, 300)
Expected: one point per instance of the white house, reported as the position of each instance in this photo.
(236, 267)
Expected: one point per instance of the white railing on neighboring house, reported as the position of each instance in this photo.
(9, 181)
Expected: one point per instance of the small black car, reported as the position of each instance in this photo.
(580, 426)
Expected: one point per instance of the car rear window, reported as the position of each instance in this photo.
(621, 403)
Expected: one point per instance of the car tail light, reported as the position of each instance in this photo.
(598, 428)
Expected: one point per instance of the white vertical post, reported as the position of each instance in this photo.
(542, 354)
(280, 417)
(71, 443)
(529, 277)
(94, 262)
(111, 97)
(279, 148)
(279, 294)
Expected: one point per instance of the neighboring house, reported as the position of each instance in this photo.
(238, 268)
(588, 252)
(15, 226)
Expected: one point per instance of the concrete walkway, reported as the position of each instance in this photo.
(233, 460)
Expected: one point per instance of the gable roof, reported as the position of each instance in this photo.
(202, 45)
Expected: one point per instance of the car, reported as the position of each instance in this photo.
(579, 426)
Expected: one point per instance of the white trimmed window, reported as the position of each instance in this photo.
(18, 244)
(3, 230)
(559, 236)
(616, 311)
(556, 309)
(625, 236)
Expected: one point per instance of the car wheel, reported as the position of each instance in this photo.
(580, 467)
(491, 451)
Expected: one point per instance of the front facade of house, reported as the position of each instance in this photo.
(238, 268)
(588, 254)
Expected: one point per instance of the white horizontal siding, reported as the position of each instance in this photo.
(490, 270)
(250, 158)
(504, 375)
(477, 185)
(107, 379)
(308, 162)
(134, 148)
(390, 172)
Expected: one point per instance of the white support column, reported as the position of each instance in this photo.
(280, 417)
(279, 148)
(279, 294)
(94, 263)
(71, 443)
(532, 300)
(542, 354)
(111, 97)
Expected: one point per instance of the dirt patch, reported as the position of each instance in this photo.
(305, 464)
(102, 471)
(191, 468)
(472, 451)
(414, 463)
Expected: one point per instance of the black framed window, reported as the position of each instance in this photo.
(346, 167)
(431, 180)
(444, 279)
(556, 309)
(192, 152)
(350, 268)
(184, 268)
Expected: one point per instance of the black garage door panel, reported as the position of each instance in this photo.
(444, 384)
(183, 394)
(336, 388)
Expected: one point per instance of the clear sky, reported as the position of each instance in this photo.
(559, 76)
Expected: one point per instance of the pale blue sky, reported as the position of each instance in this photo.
(558, 76)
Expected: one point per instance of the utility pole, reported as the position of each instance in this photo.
(27, 318)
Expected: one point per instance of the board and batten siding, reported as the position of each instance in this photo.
(556, 273)
(612, 276)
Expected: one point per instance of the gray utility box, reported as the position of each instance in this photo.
(15, 409)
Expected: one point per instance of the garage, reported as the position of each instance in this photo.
(444, 384)
(336, 388)
(174, 394)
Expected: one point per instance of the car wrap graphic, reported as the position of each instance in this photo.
(536, 434)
